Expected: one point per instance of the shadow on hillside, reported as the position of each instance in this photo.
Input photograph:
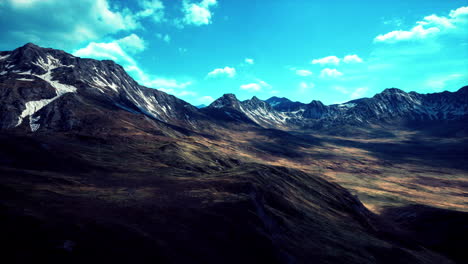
(416, 150)
(441, 230)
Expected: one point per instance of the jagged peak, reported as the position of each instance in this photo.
(393, 91)
(226, 100)
(316, 102)
(31, 45)
(276, 99)
(255, 99)
(229, 95)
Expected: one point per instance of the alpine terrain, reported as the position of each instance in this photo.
(95, 167)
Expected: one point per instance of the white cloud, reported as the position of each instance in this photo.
(249, 61)
(460, 13)
(303, 73)
(109, 51)
(256, 86)
(163, 83)
(198, 13)
(153, 9)
(227, 71)
(251, 87)
(62, 24)
(263, 83)
(132, 43)
(430, 26)
(333, 60)
(359, 92)
(352, 59)
(418, 32)
(332, 73)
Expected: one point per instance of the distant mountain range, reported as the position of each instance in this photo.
(40, 87)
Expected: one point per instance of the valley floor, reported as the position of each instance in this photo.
(228, 197)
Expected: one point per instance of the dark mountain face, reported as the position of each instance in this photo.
(114, 165)
(284, 104)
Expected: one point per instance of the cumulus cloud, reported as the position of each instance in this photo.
(255, 86)
(330, 73)
(67, 23)
(153, 9)
(333, 60)
(106, 51)
(226, 71)
(303, 73)
(132, 43)
(249, 61)
(430, 26)
(352, 59)
(197, 13)
(263, 83)
(251, 87)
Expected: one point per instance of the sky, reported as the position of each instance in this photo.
(198, 50)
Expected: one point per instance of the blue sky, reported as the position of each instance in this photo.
(333, 51)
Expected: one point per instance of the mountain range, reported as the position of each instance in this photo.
(96, 167)
(58, 77)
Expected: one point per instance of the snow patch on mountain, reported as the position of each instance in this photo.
(32, 107)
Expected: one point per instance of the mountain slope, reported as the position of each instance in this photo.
(79, 201)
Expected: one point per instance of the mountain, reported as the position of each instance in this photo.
(40, 77)
(390, 106)
(284, 104)
(49, 88)
(253, 110)
(92, 163)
